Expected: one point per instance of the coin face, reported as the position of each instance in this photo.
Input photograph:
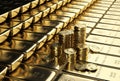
(94, 48)
(91, 67)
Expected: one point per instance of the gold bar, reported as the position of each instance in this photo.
(76, 6)
(23, 46)
(36, 14)
(33, 73)
(55, 24)
(27, 20)
(107, 26)
(11, 59)
(15, 25)
(25, 7)
(108, 21)
(85, 18)
(44, 9)
(66, 14)
(69, 77)
(96, 11)
(4, 34)
(52, 6)
(14, 12)
(88, 24)
(3, 17)
(58, 2)
(92, 14)
(41, 1)
(3, 71)
(73, 10)
(112, 17)
(65, 20)
(34, 4)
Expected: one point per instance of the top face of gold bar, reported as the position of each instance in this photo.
(79, 26)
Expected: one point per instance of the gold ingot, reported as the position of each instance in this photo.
(4, 34)
(65, 20)
(26, 47)
(33, 73)
(15, 30)
(14, 12)
(41, 1)
(67, 14)
(58, 2)
(44, 9)
(11, 59)
(64, 2)
(74, 10)
(25, 7)
(34, 3)
(51, 34)
(50, 23)
(76, 6)
(3, 17)
(3, 71)
(41, 42)
(52, 6)
(27, 23)
(37, 17)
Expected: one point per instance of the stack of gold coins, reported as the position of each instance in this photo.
(82, 53)
(55, 52)
(71, 58)
(66, 38)
(80, 35)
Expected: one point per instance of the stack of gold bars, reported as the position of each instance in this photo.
(59, 40)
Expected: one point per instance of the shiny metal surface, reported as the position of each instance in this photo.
(29, 28)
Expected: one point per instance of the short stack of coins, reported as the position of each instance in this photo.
(79, 42)
(82, 53)
(71, 58)
(55, 51)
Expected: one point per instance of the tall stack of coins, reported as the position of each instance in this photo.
(79, 42)
(71, 58)
(66, 41)
(80, 35)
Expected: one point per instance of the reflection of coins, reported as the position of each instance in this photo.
(80, 67)
(94, 48)
(91, 67)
